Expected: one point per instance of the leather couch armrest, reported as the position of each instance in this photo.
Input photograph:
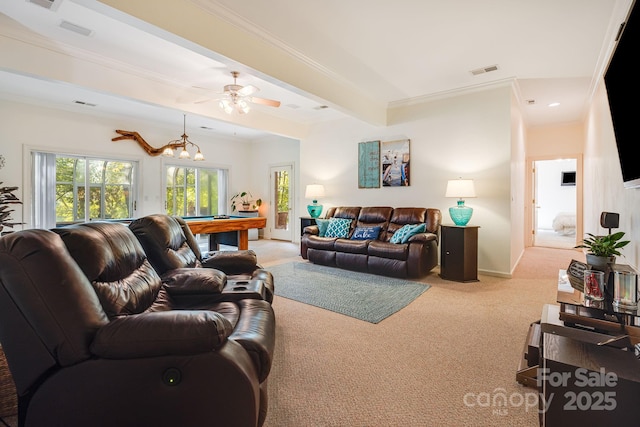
(256, 332)
(423, 237)
(311, 229)
(194, 281)
(177, 332)
(232, 262)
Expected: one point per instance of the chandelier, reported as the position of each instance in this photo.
(182, 143)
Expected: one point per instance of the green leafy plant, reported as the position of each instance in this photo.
(7, 198)
(245, 199)
(605, 246)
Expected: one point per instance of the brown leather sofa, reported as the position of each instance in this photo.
(93, 337)
(413, 259)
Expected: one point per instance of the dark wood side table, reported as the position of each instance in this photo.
(306, 221)
(459, 253)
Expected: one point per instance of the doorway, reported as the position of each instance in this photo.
(281, 185)
(555, 210)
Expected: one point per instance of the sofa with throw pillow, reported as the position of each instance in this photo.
(398, 242)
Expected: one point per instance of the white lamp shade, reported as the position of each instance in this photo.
(314, 191)
(461, 188)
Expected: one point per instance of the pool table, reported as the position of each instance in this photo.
(224, 226)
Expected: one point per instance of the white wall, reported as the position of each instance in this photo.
(468, 136)
(604, 189)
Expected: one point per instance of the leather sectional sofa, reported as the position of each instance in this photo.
(95, 336)
(412, 256)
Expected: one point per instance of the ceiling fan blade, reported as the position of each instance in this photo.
(247, 90)
(262, 101)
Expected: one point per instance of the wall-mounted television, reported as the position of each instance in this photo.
(623, 90)
(568, 178)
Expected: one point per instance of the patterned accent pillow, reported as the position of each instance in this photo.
(403, 233)
(322, 226)
(338, 227)
(366, 233)
(420, 228)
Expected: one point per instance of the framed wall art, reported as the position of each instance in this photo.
(369, 164)
(395, 160)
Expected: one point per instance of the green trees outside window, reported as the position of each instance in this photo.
(108, 183)
(195, 191)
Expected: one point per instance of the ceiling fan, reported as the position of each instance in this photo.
(237, 98)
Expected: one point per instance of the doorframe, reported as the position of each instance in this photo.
(530, 195)
(292, 199)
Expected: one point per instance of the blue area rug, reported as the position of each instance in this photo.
(367, 297)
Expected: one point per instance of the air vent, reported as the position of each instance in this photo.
(530, 101)
(321, 107)
(88, 104)
(47, 4)
(483, 70)
(75, 28)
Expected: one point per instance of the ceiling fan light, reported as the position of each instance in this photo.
(168, 152)
(227, 106)
(243, 106)
(198, 156)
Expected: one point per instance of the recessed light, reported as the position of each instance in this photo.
(554, 104)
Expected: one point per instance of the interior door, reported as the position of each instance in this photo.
(281, 184)
(555, 206)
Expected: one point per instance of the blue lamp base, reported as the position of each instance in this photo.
(314, 210)
(461, 214)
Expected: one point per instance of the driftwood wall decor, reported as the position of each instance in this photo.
(126, 134)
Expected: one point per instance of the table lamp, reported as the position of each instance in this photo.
(460, 188)
(314, 191)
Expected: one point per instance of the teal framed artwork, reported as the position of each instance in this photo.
(369, 164)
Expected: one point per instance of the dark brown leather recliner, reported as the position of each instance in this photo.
(93, 338)
(170, 245)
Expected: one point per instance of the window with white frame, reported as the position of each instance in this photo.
(192, 191)
(69, 189)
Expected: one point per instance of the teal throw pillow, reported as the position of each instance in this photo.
(399, 235)
(420, 228)
(322, 226)
(366, 233)
(338, 227)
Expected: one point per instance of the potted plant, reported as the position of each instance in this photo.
(7, 198)
(246, 200)
(602, 250)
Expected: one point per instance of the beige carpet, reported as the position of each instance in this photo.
(438, 362)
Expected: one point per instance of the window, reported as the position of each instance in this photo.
(196, 191)
(69, 189)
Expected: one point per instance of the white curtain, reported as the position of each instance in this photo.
(43, 212)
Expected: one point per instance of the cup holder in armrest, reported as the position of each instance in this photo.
(243, 289)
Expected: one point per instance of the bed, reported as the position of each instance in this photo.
(565, 223)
